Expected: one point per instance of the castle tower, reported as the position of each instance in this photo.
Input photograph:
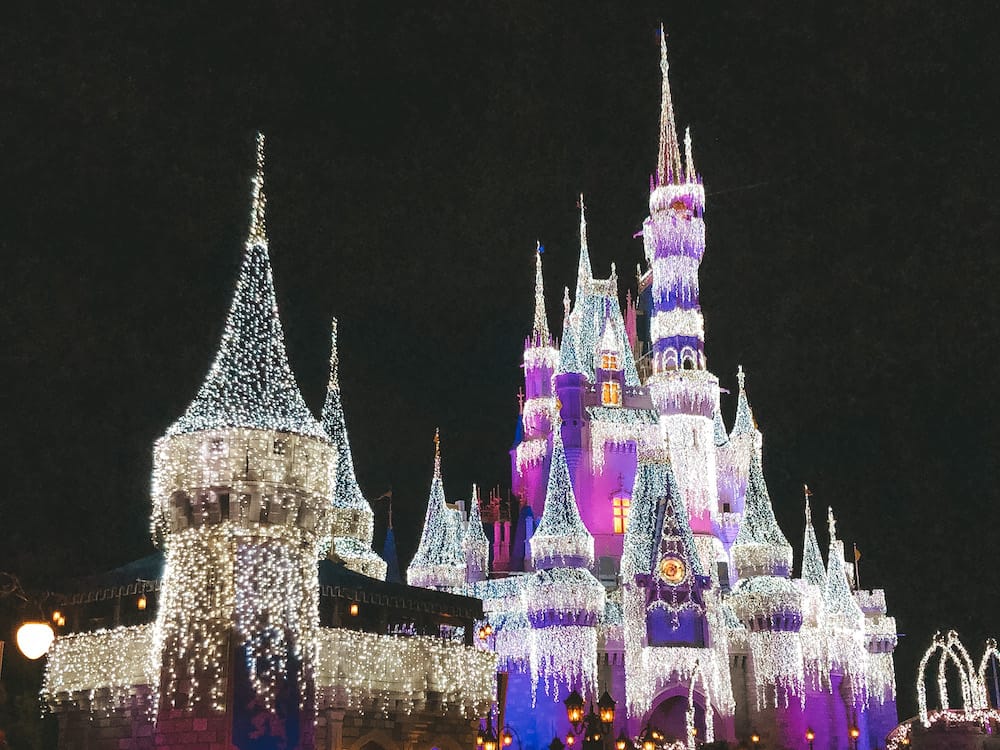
(844, 621)
(474, 542)
(765, 599)
(440, 560)
(812, 584)
(353, 519)
(540, 361)
(243, 485)
(684, 392)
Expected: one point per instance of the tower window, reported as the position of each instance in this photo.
(611, 393)
(619, 513)
(609, 361)
(280, 446)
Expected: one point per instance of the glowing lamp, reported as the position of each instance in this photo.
(606, 707)
(141, 603)
(755, 738)
(489, 739)
(574, 708)
(479, 737)
(622, 742)
(488, 629)
(56, 615)
(61, 622)
(648, 744)
(354, 609)
(570, 739)
(506, 738)
(34, 639)
(810, 735)
(855, 733)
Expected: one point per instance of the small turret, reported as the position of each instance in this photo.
(475, 543)
(761, 548)
(843, 619)
(813, 570)
(353, 520)
(440, 560)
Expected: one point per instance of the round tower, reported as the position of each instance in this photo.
(242, 488)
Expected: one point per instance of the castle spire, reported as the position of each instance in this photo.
(440, 560)
(569, 356)
(744, 424)
(584, 271)
(813, 570)
(689, 154)
(668, 167)
(250, 383)
(474, 541)
(760, 548)
(837, 593)
(561, 539)
(540, 329)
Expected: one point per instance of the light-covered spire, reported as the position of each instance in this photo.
(609, 340)
(760, 547)
(250, 383)
(744, 424)
(689, 154)
(813, 570)
(668, 166)
(540, 329)
(561, 539)
(474, 542)
(719, 427)
(440, 560)
(584, 271)
(569, 356)
(837, 593)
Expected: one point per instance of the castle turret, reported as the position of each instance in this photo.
(812, 585)
(475, 543)
(764, 599)
(844, 622)
(353, 519)
(440, 560)
(243, 487)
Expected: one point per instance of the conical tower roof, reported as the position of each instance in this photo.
(668, 167)
(584, 271)
(348, 493)
(813, 570)
(719, 427)
(653, 480)
(475, 536)
(540, 335)
(561, 539)
(439, 560)
(760, 547)
(744, 424)
(250, 383)
(837, 596)
(569, 358)
(674, 527)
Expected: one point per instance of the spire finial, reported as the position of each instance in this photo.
(669, 165)
(540, 329)
(689, 154)
(832, 524)
(437, 452)
(584, 272)
(741, 377)
(565, 302)
(258, 230)
(808, 494)
(334, 358)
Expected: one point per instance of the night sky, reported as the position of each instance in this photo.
(414, 156)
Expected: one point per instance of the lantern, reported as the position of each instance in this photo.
(34, 639)
(606, 707)
(574, 708)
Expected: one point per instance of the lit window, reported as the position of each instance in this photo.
(619, 513)
(611, 393)
(609, 361)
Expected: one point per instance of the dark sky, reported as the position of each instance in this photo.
(414, 156)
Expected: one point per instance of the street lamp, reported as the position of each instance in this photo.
(622, 743)
(755, 738)
(489, 739)
(574, 708)
(855, 733)
(34, 639)
(606, 707)
(810, 736)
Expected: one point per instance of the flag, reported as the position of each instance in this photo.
(857, 553)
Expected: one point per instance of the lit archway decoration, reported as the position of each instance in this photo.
(709, 717)
(951, 649)
(991, 650)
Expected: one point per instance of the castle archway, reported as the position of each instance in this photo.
(670, 710)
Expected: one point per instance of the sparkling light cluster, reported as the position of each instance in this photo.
(357, 670)
(561, 539)
(610, 426)
(562, 657)
(106, 665)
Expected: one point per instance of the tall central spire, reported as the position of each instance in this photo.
(669, 164)
(584, 271)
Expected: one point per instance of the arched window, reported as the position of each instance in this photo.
(670, 359)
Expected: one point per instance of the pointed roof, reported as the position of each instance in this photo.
(392, 574)
(540, 328)
(569, 358)
(474, 533)
(813, 570)
(689, 155)
(760, 547)
(561, 539)
(439, 560)
(675, 533)
(609, 342)
(744, 424)
(585, 271)
(837, 596)
(721, 438)
(250, 383)
(668, 167)
(653, 480)
(348, 494)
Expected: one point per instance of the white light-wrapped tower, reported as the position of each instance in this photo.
(844, 621)
(242, 488)
(353, 521)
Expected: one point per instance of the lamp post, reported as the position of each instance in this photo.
(855, 733)
(595, 727)
(755, 738)
(810, 736)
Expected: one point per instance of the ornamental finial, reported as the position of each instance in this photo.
(689, 154)
(669, 163)
(258, 230)
(437, 452)
(540, 328)
(334, 383)
(565, 303)
(740, 376)
(808, 493)
(832, 524)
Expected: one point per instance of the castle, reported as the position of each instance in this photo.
(644, 560)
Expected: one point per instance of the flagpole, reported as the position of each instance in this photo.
(857, 573)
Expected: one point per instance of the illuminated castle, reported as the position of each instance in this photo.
(646, 560)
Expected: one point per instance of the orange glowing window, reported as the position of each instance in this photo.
(611, 393)
(609, 361)
(619, 513)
